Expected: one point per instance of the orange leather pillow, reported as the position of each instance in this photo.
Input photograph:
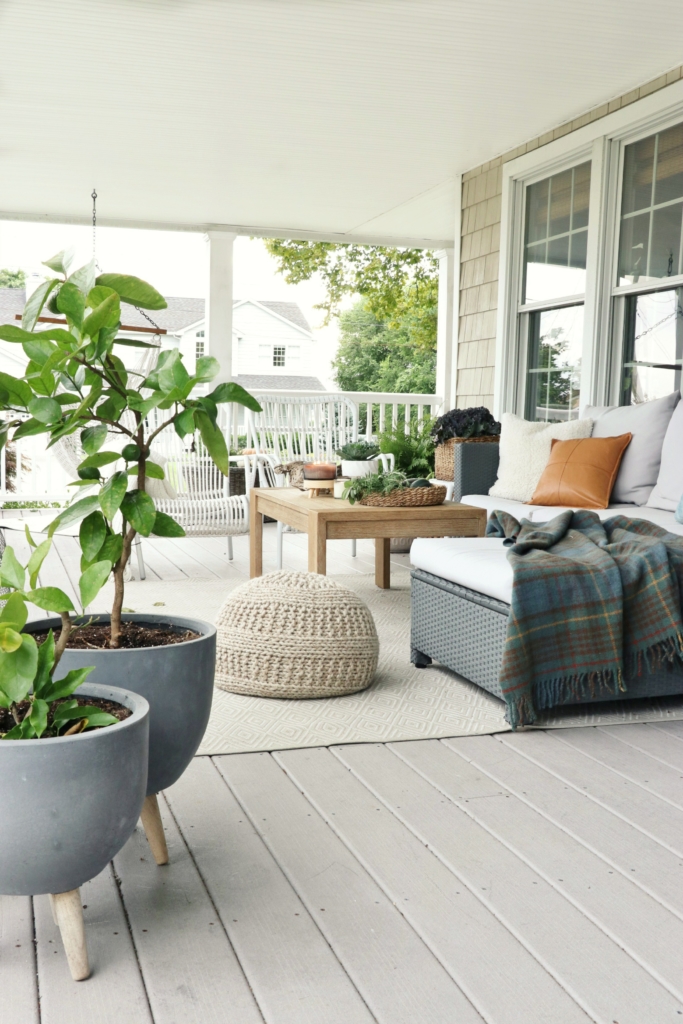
(581, 473)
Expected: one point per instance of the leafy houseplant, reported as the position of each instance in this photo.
(75, 381)
(412, 450)
(374, 483)
(466, 423)
(358, 451)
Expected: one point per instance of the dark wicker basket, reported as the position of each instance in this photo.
(406, 497)
(444, 455)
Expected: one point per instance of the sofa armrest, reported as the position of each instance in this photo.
(476, 468)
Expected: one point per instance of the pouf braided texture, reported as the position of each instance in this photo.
(295, 634)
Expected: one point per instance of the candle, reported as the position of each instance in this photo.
(320, 471)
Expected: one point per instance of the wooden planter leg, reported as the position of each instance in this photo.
(68, 913)
(154, 830)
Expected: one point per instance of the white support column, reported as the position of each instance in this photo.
(219, 304)
(448, 310)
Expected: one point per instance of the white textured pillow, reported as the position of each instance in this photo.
(525, 450)
(669, 487)
(160, 489)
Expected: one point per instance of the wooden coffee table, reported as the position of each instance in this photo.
(326, 519)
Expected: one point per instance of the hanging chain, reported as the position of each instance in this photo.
(94, 256)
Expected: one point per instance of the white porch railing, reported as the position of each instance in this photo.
(39, 476)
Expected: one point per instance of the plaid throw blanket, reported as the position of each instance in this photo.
(594, 604)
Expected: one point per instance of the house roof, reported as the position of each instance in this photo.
(180, 313)
(270, 382)
(343, 118)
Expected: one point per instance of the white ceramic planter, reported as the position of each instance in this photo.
(354, 470)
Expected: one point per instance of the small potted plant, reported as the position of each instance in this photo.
(75, 382)
(393, 490)
(454, 433)
(412, 452)
(73, 761)
(358, 458)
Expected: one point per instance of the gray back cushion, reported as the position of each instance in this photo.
(648, 423)
(669, 487)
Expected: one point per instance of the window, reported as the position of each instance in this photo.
(650, 254)
(279, 355)
(554, 270)
(199, 349)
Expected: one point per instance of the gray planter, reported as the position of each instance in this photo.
(177, 680)
(70, 803)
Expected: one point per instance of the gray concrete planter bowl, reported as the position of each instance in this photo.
(70, 803)
(177, 680)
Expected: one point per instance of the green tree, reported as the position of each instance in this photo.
(12, 278)
(373, 356)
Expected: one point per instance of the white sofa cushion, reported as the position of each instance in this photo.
(669, 487)
(525, 450)
(647, 423)
(479, 563)
(543, 513)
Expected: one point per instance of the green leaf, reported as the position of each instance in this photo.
(12, 574)
(165, 526)
(92, 534)
(173, 375)
(133, 290)
(112, 493)
(102, 315)
(18, 669)
(10, 332)
(30, 427)
(99, 459)
(84, 278)
(46, 656)
(208, 367)
(39, 716)
(74, 513)
(214, 441)
(51, 599)
(92, 438)
(111, 549)
(21, 732)
(10, 639)
(33, 307)
(39, 349)
(184, 422)
(145, 406)
(38, 556)
(235, 393)
(101, 720)
(62, 261)
(98, 294)
(92, 581)
(15, 612)
(67, 685)
(138, 508)
(71, 302)
(135, 344)
(152, 471)
(70, 710)
(19, 391)
(45, 410)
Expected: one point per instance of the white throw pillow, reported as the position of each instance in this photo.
(525, 450)
(648, 424)
(669, 487)
(160, 489)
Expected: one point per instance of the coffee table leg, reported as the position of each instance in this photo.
(317, 545)
(382, 563)
(255, 540)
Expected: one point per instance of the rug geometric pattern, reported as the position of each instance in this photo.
(403, 703)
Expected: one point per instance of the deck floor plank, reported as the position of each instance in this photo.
(674, 728)
(658, 744)
(398, 977)
(293, 973)
(636, 855)
(480, 953)
(190, 969)
(606, 896)
(584, 962)
(114, 992)
(18, 992)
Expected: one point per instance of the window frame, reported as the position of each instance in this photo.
(602, 142)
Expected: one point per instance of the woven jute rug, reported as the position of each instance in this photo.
(403, 703)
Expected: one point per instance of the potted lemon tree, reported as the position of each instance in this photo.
(76, 383)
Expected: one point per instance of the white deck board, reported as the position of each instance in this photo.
(474, 946)
(293, 973)
(611, 900)
(660, 745)
(397, 975)
(191, 971)
(19, 999)
(584, 962)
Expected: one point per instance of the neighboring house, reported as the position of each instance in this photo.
(272, 342)
(571, 263)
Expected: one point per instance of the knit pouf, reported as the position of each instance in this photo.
(295, 634)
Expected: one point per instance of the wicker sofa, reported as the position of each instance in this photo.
(461, 588)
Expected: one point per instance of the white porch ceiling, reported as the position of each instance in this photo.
(335, 116)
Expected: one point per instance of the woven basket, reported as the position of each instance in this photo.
(444, 458)
(406, 497)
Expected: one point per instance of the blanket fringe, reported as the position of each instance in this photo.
(552, 692)
(667, 652)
